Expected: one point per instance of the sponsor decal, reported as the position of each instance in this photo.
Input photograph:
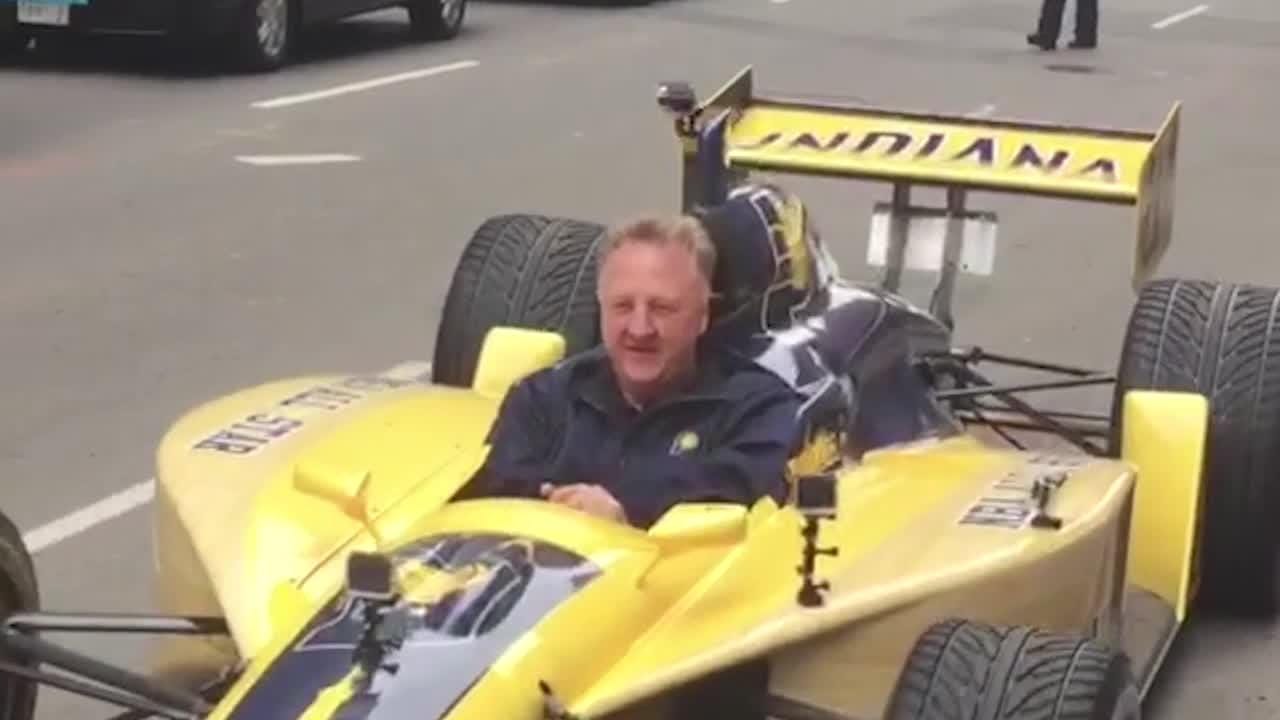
(260, 429)
(982, 151)
(1009, 503)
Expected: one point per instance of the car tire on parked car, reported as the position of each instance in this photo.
(528, 271)
(264, 34)
(436, 19)
(1221, 340)
(12, 41)
(966, 670)
(19, 592)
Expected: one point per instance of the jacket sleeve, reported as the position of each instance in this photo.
(522, 444)
(748, 463)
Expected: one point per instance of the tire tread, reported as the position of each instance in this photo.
(1220, 340)
(530, 271)
(966, 670)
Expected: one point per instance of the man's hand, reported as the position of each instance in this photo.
(591, 499)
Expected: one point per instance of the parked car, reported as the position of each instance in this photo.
(259, 33)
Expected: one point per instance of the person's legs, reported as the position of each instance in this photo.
(1050, 25)
(1086, 23)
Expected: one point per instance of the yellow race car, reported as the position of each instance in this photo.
(318, 563)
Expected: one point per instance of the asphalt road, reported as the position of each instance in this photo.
(146, 269)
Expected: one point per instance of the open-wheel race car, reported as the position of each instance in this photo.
(317, 561)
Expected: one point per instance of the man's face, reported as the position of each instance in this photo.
(653, 304)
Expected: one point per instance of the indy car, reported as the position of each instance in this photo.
(314, 558)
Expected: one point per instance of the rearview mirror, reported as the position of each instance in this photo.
(346, 491)
(343, 489)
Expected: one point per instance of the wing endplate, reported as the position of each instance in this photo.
(1164, 437)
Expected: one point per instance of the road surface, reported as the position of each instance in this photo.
(156, 254)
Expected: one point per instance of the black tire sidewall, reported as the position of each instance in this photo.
(1229, 540)
(250, 55)
(483, 294)
(19, 592)
(941, 651)
(426, 20)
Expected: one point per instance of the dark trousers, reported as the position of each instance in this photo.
(1051, 20)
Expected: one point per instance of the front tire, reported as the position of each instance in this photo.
(964, 670)
(19, 592)
(1222, 341)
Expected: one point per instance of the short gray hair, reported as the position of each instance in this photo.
(683, 230)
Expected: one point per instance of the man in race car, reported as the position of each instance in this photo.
(656, 416)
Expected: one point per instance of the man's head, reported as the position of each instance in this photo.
(654, 288)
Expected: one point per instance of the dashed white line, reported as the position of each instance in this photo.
(984, 111)
(1162, 24)
(133, 497)
(277, 160)
(364, 85)
(69, 526)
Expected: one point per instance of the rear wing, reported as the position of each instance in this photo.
(735, 131)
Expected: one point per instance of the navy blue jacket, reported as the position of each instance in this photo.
(727, 438)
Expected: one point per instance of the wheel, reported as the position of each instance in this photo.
(436, 19)
(527, 271)
(964, 670)
(1223, 341)
(13, 42)
(18, 593)
(264, 34)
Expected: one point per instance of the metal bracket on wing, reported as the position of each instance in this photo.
(946, 241)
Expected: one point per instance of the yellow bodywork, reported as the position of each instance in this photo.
(261, 495)
(1165, 435)
(924, 148)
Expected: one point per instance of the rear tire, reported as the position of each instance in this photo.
(527, 271)
(964, 670)
(1222, 341)
(19, 592)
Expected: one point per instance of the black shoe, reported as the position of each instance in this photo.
(1082, 44)
(1036, 40)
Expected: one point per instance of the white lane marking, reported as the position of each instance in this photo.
(364, 85)
(1162, 24)
(277, 160)
(133, 497)
(69, 526)
(984, 111)
(779, 2)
